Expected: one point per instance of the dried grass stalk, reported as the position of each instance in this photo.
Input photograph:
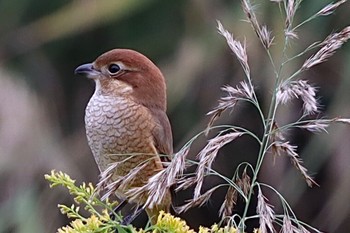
(330, 8)
(299, 89)
(198, 201)
(229, 202)
(244, 183)
(207, 156)
(290, 12)
(232, 194)
(176, 166)
(105, 183)
(316, 126)
(110, 186)
(277, 134)
(320, 125)
(342, 120)
(302, 229)
(158, 185)
(243, 91)
(237, 48)
(330, 45)
(110, 189)
(290, 151)
(291, 34)
(129, 178)
(261, 31)
(153, 191)
(287, 226)
(266, 214)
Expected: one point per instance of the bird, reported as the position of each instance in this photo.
(126, 121)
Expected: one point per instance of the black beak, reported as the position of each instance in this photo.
(86, 69)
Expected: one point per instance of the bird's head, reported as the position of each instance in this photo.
(127, 73)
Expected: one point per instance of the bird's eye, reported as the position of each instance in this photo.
(114, 68)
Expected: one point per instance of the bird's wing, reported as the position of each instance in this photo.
(163, 138)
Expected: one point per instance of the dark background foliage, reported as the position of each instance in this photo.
(42, 103)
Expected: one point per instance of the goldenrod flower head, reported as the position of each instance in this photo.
(168, 223)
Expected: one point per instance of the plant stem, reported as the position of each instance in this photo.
(268, 128)
(261, 155)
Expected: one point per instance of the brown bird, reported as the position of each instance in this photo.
(126, 119)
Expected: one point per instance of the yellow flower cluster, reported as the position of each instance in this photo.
(102, 223)
(216, 229)
(91, 224)
(167, 223)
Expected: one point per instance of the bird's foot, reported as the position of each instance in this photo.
(131, 217)
(119, 207)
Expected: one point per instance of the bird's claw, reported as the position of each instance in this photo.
(119, 207)
(131, 217)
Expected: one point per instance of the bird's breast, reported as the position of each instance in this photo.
(117, 127)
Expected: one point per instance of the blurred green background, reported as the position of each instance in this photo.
(42, 103)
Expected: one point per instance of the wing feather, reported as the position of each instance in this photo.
(163, 138)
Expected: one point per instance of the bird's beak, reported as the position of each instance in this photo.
(87, 70)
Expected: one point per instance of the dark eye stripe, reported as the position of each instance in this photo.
(114, 68)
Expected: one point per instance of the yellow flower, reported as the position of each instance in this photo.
(105, 217)
(203, 230)
(77, 226)
(93, 222)
(168, 223)
(216, 229)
